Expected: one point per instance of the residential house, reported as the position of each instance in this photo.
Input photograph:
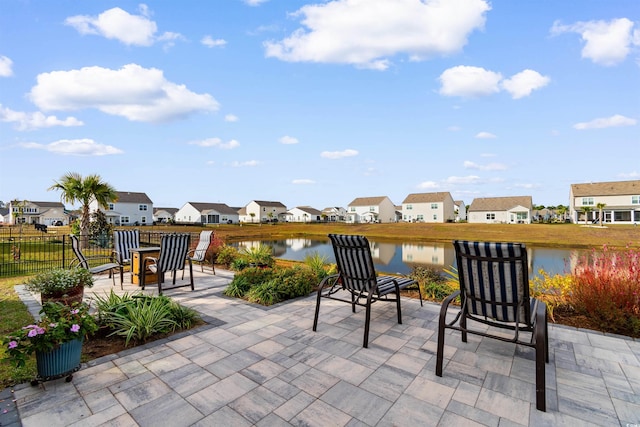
(206, 213)
(371, 209)
(334, 214)
(263, 211)
(304, 214)
(506, 210)
(129, 208)
(28, 212)
(164, 214)
(4, 215)
(461, 210)
(429, 207)
(621, 200)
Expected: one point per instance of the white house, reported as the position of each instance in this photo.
(429, 207)
(506, 210)
(263, 211)
(206, 213)
(28, 212)
(334, 213)
(304, 214)
(621, 200)
(461, 210)
(371, 209)
(164, 214)
(130, 208)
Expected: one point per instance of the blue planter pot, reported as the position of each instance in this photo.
(60, 361)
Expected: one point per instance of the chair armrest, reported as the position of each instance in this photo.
(445, 306)
(327, 280)
(191, 253)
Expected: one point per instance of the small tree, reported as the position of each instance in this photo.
(600, 206)
(586, 210)
(252, 215)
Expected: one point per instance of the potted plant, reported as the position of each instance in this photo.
(61, 285)
(56, 339)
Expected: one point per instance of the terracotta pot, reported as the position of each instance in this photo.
(68, 298)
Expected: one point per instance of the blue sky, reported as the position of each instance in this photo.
(319, 102)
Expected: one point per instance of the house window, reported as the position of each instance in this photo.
(636, 215)
(435, 217)
(111, 207)
(409, 207)
(142, 207)
(353, 209)
(521, 216)
(635, 200)
(124, 220)
(143, 219)
(420, 218)
(622, 215)
(372, 208)
(434, 206)
(491, 216)
(587, 201)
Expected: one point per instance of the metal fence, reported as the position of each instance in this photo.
(26, 255)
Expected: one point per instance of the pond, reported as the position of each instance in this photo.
(402, 257)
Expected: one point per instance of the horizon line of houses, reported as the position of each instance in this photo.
(619, 200)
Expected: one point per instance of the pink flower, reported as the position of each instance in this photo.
(13, 344)
(40, 331)
(32, 333)
(75, 311)
(75, 328)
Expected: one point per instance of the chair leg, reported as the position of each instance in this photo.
(191, 276)
(542, 355)
(367, 319)
(315, 318)
(440, 350)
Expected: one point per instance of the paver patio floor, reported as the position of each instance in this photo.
(266, 367)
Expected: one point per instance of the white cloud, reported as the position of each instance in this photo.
(469, 81)
(137, 93)
(631, 175)
(216, 142)
(606, 122)
(287, 140)
(6, 67)
(454, 128)
(37, 120)
(487, 167)
(75, 147)
(471, 179)
(368, 33)
(605, 43)
(209, 41)
(248, 163)
(117, 24)
(485, 135)
(523, 83)
(428, 185)
(338, 154)
(231, 118)
(255, 2)
(303, 181)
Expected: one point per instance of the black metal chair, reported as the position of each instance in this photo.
(123, 241)
(173, 255)
(357, 276)
(86, 262)
(494, 290)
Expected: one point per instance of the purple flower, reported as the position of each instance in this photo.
(32, 333)
(13, 344)
(75, 311)
(40, 331)
(75, 328)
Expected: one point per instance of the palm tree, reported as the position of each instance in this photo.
(600, 206)
(586, 210)
(562, 210)
(85, 190)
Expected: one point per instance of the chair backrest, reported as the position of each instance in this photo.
(75, 245)
(123, 240)
(200, 251)
(173, 251)
(354, 260)
(494, 280)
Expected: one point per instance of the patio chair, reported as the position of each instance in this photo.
(357, 276)
(200, 252)
(123, 241)
(494, 291)
(173, 254)
(86, 262)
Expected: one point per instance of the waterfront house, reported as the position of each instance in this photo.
(129, 208)
(429, 207)
(263, 211)
(334, 214)
(505, 210)
(29, 212)
(371, 209)
(164, 214)
(621, 201)
(304, 214)
(206, 213)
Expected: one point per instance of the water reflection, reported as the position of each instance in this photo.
(402, 257)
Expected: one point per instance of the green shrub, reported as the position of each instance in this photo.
(184, 317)
(555, 290)
(238, 287)
(226, 255)
(295, 282)
(317, 263)
(239, 264)
(265, 293)
(247, 278)
(434, 285)
(261, 255)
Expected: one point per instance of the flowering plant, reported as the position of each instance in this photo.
(59, 323)
(58, 281)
